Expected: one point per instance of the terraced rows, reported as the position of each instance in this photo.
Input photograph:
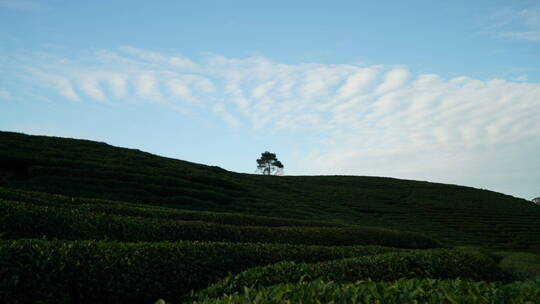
(79, 168)
(84, 222)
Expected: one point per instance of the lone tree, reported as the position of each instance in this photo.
(536, 200)
(268, 164)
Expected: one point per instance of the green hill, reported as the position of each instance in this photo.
(85, 222)
(453, 214)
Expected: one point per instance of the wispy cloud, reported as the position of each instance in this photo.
(177, 61)
(228, 118)
(90, 86)
(515, 25)
(118, 85)
(62, 84)
(364, 117)
(147, 87)
(358, 82)
(323, 97)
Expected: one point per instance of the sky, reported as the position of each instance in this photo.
(442, 91)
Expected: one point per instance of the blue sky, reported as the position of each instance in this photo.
(429, 90)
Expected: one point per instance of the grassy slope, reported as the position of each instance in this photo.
(453, 214)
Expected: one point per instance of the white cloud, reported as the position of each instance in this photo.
(65, 88)
(90, 86)
(262, 89)
(358, 82)
(118, 85)
(515, 25)
(329, 99)
(373, 120)
(393, 80)
(200, 83)
(188, 87)
(332, 99)
(176, 61)
(146, 85)
(61, 84)
(180, 62)
(228, 118)
(316, 82)
(179, 88)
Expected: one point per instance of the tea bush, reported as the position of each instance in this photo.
(437, 263)
(38, 271)
(403, 291)
(150, 211)
(520, 265)
(22, 220)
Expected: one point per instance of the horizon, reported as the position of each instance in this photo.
(441, 92)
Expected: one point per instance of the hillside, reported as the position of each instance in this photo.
(85, 222)
(454, 215)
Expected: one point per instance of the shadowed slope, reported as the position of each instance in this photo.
(81, 168)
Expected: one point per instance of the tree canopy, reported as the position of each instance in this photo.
(268, 164)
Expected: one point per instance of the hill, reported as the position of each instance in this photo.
(85, 222)
(455, 215)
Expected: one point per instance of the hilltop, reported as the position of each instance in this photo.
(455, 215)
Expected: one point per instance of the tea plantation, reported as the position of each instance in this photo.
(86, 222)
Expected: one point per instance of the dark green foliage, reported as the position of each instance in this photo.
(520, 265)
(495, 257)
(149, 211)
(23, 220)
(35, 271)
(399, 292)
(437, 263)
(453, 214)
(268, 164)
(85, 168)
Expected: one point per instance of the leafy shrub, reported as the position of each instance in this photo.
(520, 265)
(497, 258)
(437, 263)
(149, 211)
(22, 220)
(398, 292)
(216, 182)
(38, 198)
(187, 215)
(37, 271)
